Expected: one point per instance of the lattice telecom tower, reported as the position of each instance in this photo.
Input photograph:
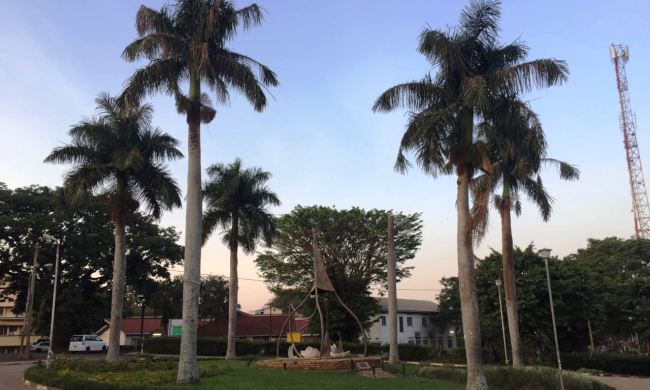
(640, 206)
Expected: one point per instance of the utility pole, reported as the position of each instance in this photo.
(546, 254)
(503, 328)
(50, 353)
(627, 121)
(27, 327)
(393, 355)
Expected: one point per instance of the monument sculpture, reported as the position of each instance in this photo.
(322, 285)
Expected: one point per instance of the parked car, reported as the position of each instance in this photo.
(41, 346)
(86, 343)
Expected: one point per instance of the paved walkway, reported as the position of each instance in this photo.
(625, 382)
(12, 375)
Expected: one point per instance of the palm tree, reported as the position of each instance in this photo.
(517, 148)
(237, 201)
(188, 42)
(119, 155)
(472, 68)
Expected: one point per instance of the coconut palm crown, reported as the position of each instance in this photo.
(121, 157)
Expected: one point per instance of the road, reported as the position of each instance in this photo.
(625, 382)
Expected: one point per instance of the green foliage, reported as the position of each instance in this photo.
(86, 235)
(237, 201)
(619, 275)
(143, 374)
(119, 155)
(610, 363)
(353, 248)
(237, 374)
(216, 346)
(168, 39)
(527, 378)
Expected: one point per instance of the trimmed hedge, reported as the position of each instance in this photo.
(216, 346)
(527, 378)
(611, 363)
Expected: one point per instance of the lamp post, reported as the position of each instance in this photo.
(546, 254)
(503, 328)
(50, 353)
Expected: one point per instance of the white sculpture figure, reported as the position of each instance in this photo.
(293, 352)
(336, 354)
(310, 353)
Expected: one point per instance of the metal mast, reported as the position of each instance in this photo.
(627, 119)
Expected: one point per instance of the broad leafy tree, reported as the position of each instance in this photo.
(188, 42)
(121, 157)
(353, 246)
(237, 204)
(472, 67)
(87, 248)
(517, 147)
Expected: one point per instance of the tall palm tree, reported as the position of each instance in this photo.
(472, 68)
(518, 149)
(188, 42)
(119, 155)
(237, 201)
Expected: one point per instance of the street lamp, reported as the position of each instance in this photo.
(546, 254)
(503, 328)
(50, 353)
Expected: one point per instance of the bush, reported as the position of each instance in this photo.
(611, 363)
(526, 378)
(121, 375)
(216, 346)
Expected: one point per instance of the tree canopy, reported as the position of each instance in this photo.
(86, 234)
(353, 247)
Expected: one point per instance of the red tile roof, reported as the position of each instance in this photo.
(131, 325)
(249, 325)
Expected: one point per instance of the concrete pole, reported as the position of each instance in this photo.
(503, 328)
(50, 353)
(27, 330)
(557, 347)
(393, 355)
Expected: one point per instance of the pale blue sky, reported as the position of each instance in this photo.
(318, 136)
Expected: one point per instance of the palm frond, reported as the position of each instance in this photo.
(415, 95)
(567, 171)
(541, 73)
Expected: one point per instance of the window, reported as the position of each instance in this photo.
(401, 324)
(411, 341)
(76, 338)
(424, 322)
(450, 342)
(409, 321)
(383, 320)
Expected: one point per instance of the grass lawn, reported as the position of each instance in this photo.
(223, 375)
(241, 377)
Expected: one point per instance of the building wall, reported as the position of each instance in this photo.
(11, 327)
(105, 335)
(417, 328)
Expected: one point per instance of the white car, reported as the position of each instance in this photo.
(86, 343)
(40, 347)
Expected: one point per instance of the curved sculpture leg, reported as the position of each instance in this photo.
(277, 349)
(320, 316)
(363, 332)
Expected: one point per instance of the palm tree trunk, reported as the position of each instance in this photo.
(188, 370)
(467, 287)
(393, 355)
(119, 285)
(233, 287)
(509, 283)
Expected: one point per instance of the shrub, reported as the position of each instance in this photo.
(216, 346)
(611, 363)
(526, 378)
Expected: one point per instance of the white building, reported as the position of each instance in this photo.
(415, 325)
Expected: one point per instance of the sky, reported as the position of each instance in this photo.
(319, 137)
